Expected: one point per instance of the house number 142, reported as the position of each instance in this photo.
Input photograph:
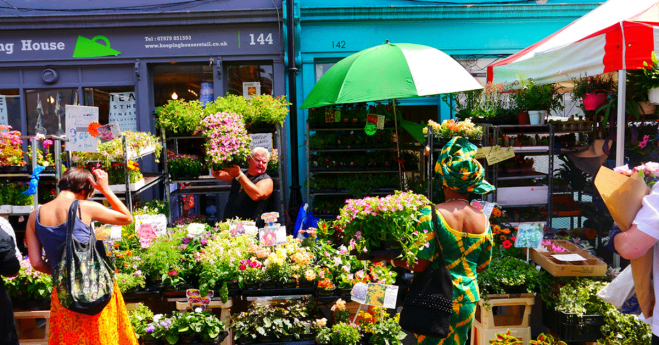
(339, 44)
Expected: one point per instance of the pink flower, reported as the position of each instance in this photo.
(138, 273)
(242, 267)
(172, 273)
(623, 170)
(365, 250)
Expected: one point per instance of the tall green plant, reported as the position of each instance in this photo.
(650, 77)
(537, 97)
(179, 116)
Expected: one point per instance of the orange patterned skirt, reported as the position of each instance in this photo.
(109, 327)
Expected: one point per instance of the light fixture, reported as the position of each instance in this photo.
(174, 95)
(51, 100)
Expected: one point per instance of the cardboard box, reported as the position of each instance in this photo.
(591, 267)
(525, 195)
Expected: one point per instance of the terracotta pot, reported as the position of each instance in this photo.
(523, 118)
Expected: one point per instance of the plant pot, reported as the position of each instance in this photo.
(232, 285)
(591, 101)
(537, 117)
(188, 339)
(269, 285)
(307, 336)
(325, 292)
(523, 118)
(653, 95)
(251, 285)
(247, 340)
(345, 291)
(646, 108)
(287, 338)
(265, 338)
(289, 284)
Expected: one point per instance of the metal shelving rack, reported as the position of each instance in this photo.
(493, 173)
(208, 184)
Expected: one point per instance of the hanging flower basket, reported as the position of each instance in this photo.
(592, 101)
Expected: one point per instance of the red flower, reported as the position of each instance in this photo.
(93, 129)
(507, 244)
(173, 272)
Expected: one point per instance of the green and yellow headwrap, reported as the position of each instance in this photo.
(460, 170)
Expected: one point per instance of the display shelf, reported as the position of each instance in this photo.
(522, 176)
(210, 185)
(294, 342)
(353, 171)
(276, 297)
(348, 128)
(354, 149)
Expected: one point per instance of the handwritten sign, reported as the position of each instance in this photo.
(123, 109)
(157, 221)
(78, 119)
(261, 140)
(483, 152)
(272, 235)
(3, 110)
(499, 154)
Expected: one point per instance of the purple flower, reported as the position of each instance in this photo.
(203, 241)
(150, 328)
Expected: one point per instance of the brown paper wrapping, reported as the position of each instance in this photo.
(623, 197)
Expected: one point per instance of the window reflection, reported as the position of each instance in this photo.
(248, 80)
(10, 109)
(115, 104)
(180, 81)
(49, 100)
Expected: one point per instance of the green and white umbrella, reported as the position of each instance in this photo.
(390, 71)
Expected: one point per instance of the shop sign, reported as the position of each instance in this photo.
(157, 41)
(261, 140)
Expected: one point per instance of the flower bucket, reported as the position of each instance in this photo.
(646, 108)
(592, 101)
(653, 95)
(537, 117)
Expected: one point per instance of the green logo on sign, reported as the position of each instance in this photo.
(86, 48)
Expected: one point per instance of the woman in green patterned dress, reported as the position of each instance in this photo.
(464, 235)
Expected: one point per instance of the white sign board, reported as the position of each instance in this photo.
(261, 140)
(3, 110)
(78, 119)
(157, 221)
(251, 89)
(123, 110)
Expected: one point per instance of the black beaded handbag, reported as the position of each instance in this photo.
(428, 305)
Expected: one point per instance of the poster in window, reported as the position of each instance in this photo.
(251, 89)
(3, 110)
(123, 110)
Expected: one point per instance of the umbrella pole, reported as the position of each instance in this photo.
(400, 175)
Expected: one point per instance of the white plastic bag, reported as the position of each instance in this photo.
(620, 289)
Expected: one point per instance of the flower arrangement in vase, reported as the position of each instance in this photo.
(11, 153)
(227, 141)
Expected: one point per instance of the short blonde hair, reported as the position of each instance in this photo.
(261, 150)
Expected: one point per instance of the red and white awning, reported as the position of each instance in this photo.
(619, 34)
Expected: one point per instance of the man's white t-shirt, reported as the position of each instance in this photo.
(647, 220)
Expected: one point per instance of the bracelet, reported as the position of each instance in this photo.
(237, 178)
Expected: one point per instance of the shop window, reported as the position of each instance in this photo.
(180, 81)
(52, 115)
(115, 104)
(321, 68)
(10, 109)
(246, 80)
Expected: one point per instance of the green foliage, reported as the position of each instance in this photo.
(130, 282)
(345, 334)
(179, 116)
(387, 332)
(592, 84)
(269, 320)
(536, 97)
(506, 338)
(650, 77)
(546, 339)
(30, 284)
(256, 110)
(181, 166)
(205, 323)
(10, 194)
(140, 318)
(579, 296)
(570, 173)
(506, 272)
(162, 260)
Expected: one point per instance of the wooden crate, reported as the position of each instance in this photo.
(591, 267)
(516, 311)
(24, 333)
(482, 336)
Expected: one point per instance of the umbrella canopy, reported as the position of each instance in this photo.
(390, 71)
(618, 35)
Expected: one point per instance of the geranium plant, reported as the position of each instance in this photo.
(11, 153)
(227, 141)
(44, 157)
(370, 221)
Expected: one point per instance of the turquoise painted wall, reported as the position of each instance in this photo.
(330, 31)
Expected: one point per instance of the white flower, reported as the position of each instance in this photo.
(157, 317)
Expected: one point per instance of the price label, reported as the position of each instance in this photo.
(499, 154)
(483, 152)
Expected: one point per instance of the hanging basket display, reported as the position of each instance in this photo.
(592, 101)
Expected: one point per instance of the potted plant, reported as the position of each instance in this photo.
(326, 287)
(508, 274)
(650, 79)
(539, 99)
(11, 154)
(44, 157)
(506, 338)
(592, 90)
(386, 226)
(185, 166)
(179, 116)
(140, 318)
(345, 334)
(387, 331)
(323, 333)
(130, 282)
(273, 164)
(29, 288)
(221, 128)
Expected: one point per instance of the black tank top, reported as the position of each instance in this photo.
(241, 205)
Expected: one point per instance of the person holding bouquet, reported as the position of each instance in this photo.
(464, 233)
(250, 188)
